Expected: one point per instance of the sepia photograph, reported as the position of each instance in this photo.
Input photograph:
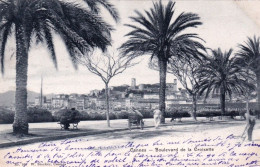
(129, 83)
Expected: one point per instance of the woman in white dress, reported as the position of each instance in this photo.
(157, 117)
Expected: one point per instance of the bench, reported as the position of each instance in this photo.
(178, 118)
(74, 124)
(134, 119)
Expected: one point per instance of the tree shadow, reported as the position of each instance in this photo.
(150, 132)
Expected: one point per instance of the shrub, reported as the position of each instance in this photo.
(112, 116)
(84, 115)
(147, 113)
(6, 116)
(101, 115)
(208, 113)
(177, 114)
(232, 114)
(121, 115)
(39, 115)
(97, 116)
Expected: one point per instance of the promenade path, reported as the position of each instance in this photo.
(202, 143)
(39, 132)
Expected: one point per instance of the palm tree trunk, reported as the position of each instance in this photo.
(163, 68)
(107, 105)
(222, 101)
(258, 92)
(20, 125)
(194, 106)
(247, 93)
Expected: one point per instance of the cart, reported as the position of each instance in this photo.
(134, 119)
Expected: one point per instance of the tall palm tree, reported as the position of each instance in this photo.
(161, 36)
(250, 55)
(81, 29)
(222, 72)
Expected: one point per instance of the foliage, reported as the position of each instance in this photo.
(249, 54)
(44, 18)
(106, 66)
(222, 72)
(186, 73)
(95, 115)
(147, 113)
(208, 113)
(39, 115)
(6, 116)
(121, 115)
(177, 114)
(34, 115)
(159, 35)
(249, 59)
(81, 29)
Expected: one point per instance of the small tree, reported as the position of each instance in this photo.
(185, 72)
(106, 66)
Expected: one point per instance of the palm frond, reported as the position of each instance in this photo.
(4, 36)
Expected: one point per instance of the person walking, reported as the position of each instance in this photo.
(250, 123)
(157, 117)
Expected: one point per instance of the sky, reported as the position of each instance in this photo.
(225, 24)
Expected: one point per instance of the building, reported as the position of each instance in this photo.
(141, 87)
(94, 92)
(38, 101)
(118, 104)
(47, 104)
(133, 83)
(80, 103)
(142, 103)
(60, 103)
(151, 96)
(175, 85)
(124, 96)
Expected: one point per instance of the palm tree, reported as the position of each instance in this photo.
(158, 35)
(81, 29)
(250, 55)
(222, 72)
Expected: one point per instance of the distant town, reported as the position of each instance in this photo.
(122, 97)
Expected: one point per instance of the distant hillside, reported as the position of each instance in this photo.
(8, 98)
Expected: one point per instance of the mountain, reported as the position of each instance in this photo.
(8, 98)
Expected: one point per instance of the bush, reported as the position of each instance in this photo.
(208, 113)
(177, 114)
(147, 113)
(112, 116)
(84, 115)
(101, 116)
(34, 115)
(232, 114)
(97, 116)
(121, 115)
(6, 116)
(39, 115)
